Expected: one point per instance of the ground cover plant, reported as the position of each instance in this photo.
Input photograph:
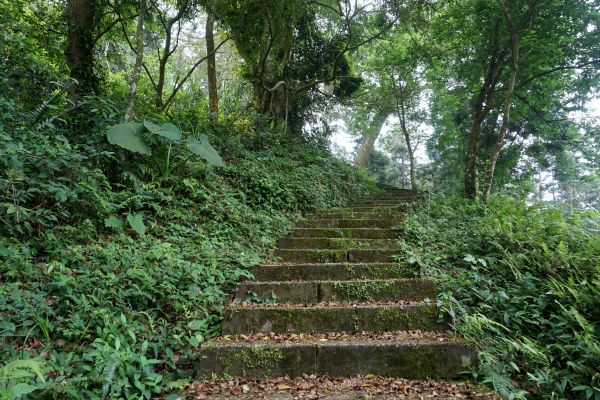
(110, 282)
(521, 281)
(152, 150)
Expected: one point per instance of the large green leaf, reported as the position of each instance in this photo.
(201, 147)
(129, 136)
(136, 221)
(113, 222)
(167, 130)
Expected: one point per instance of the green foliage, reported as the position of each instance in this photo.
(521, 281)
(140, 138)
(116, 279)
(19, 378)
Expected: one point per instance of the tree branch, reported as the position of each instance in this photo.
(556, 69)
(189, 73)
(338, 11)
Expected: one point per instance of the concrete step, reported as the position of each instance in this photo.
(379, 203)
(394, 196)
(349, 233)
(334, 243)
(375, 213)
(313, 292)
(335, 256)
(385, 208)
(320, 319)
(331, 271)
(417, 358)
(348, 223)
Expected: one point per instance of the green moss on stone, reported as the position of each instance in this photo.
(360, 290)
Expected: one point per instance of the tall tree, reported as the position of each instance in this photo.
(139, 59)
(295, 50)
(475, 58)
(211, 64)
(371, 133)
(79, 52)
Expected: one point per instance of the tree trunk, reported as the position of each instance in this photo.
(211, 66)
(411, 155)
(272, 94)
(168, 52)
(480, 109)
(79, 52)
(471, 181)
(505, 117)
(139, 58)
(515, 37)
(400, 97)
(367, 142)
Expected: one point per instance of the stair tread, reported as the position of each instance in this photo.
(327, 388)
(374, 264)
(336, 337)
(318, 291)
(338, 303)
(400, 304)
(333, 282)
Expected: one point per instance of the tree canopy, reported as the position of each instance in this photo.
(151, 151)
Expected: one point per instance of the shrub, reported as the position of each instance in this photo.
(523, 283)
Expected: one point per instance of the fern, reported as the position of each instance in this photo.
(17, 378)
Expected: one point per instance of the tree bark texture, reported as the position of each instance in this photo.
(79, 52)
(367, 143)
(411, 152)
(211, 66)
(139, 59)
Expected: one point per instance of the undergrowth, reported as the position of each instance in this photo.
(91, 307)
(522, 282)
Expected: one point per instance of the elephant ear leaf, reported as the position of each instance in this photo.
(129, 136)
(136, 221)
(168, 130)
(202, 148)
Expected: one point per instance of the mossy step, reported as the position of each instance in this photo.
(313, 292)
(391, 196)
(335, 256)
(356, 318)
(330, 271)
(379, 203)
(372, 214)
(348, 223)
(402, 359)
(386, 208)
(349, 233)
(334, 243)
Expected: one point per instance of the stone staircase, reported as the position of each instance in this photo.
(337, 303)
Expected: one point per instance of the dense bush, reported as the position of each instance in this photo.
(524, 283)
(111, 280)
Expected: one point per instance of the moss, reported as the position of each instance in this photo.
(389, 271)
(349, 244)
(361, 290)
(263, 358)
(423, 318)
(326, 256)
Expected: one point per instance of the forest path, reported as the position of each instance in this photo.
(336, 303)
